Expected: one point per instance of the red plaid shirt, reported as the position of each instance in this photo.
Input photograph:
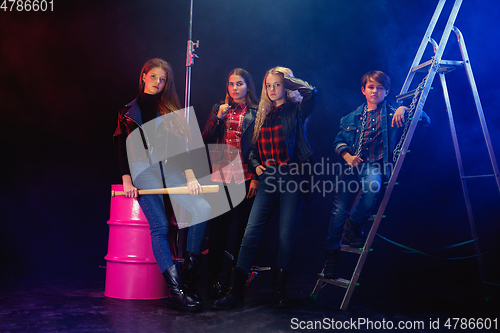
(372, 144)
(272, 145)
(231, 164)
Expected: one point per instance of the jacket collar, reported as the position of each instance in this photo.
(249, 118)
(359, 110)
(134, 112)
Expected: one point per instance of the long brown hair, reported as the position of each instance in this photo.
(169, 100)
(266, 105)
(251, 97)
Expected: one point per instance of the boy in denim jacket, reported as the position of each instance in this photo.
(365, 142)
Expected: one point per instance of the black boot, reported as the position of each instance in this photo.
(215, 289)
(234, 296)
(229, 274)
(331, 269)
(354, 237)
(279, 282)
(189, 274)
(178, 296)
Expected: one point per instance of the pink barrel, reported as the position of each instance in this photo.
(131, 270)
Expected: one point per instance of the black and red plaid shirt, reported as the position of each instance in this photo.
(230, 166)
(272, 145)
(372, 146)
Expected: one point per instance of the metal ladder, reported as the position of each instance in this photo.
(432, 67)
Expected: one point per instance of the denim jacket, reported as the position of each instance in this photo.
(350, 127)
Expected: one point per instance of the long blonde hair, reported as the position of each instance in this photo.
(266, 105)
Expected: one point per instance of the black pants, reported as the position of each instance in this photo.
(219, 232)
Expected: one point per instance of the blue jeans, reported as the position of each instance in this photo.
(366, 177)
(154, 210)
(277, 186)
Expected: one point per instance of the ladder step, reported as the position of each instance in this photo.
(357, 250)
(372, 217)
(445, 66)
(347, 248)
(478, 176)
(406, 95)
(338, 282)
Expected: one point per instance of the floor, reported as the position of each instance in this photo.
(73, 301)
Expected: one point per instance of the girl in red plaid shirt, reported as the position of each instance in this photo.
(226, 131)
(278, 143)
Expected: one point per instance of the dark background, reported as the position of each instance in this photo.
(65, 74)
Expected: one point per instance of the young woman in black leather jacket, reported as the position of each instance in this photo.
(151, 137)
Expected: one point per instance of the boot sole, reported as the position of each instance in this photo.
(217, 296)
(180, 308)
(281, 306)
(219, 307)
(355, 245)
(214, 298)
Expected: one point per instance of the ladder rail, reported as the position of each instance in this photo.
(446, 33)
(463, 179)
(385, 199)
(406, 143)
(477, 101)
(423, 45)
(366, 250)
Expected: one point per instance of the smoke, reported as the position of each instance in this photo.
(65, 76)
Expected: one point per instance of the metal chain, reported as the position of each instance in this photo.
(362, 134)
(409, 117)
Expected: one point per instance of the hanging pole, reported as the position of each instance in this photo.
(189, 63)
(187, 101)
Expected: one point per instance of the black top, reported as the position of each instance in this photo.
(149, 111)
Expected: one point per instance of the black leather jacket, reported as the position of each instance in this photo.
(144, 150)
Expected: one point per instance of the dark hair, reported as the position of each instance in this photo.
(251, 97)
(377, 76)
(169, 100)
